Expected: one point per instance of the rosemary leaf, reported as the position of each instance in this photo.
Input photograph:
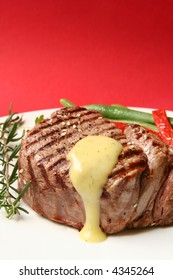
(12, 133)
(10, 144)
(22, 193)
(7, 122)
(15, 152)
(23, 209)
(13, 173)
(14, 189)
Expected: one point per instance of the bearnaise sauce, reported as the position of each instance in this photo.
(92, 160)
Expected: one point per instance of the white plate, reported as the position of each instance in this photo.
(34, 237)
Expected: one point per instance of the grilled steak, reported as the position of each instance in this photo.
(42, 160)
(136, 182)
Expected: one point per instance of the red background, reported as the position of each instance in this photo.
(87, 51)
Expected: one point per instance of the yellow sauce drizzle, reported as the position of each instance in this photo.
(92, 160)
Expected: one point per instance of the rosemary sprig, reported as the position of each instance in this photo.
(10, 145)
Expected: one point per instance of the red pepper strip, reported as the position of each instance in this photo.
(163, 125)
(120, 125)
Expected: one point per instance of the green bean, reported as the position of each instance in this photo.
(123, 113)
(66, 103)
(118, 112)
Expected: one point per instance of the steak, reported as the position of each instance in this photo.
(139, 184)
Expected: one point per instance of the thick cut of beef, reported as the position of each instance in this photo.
(42, 161)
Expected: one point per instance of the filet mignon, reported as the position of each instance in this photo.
(142, 168)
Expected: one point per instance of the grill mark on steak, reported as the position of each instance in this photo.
(57, 163)
(52, 142)
(141, 132)
(44, 124)
(62, 113)
(50, 156)
(45, 176)
(35, 198)
(137, 164)
(60, 181)
(30, 170)
(128, 153)
(53, 132)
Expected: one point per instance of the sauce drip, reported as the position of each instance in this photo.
(92, 160)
